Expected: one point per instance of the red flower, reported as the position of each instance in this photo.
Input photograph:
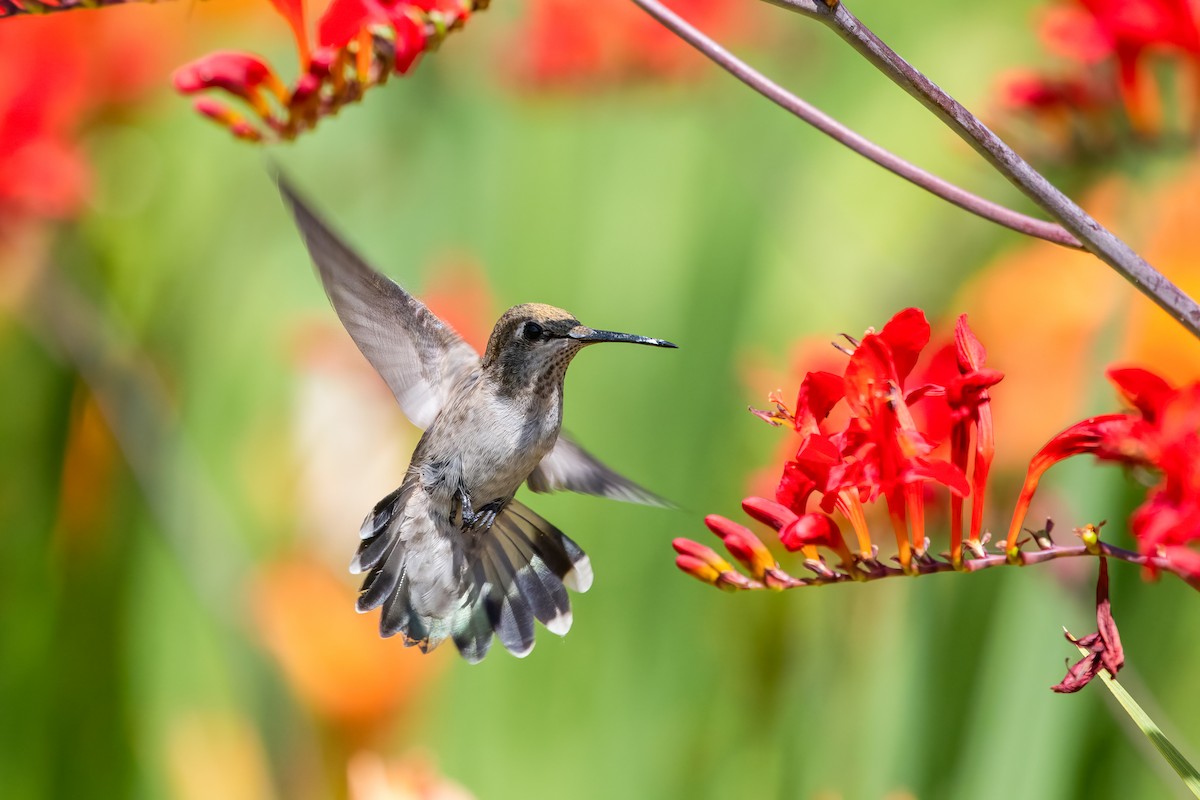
(59, 71)
(817, 530)
(360, 42)
(1118, 34)
(1162, 432)
(882, 451)
(565, 43)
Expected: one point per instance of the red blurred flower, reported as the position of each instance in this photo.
(1162, 432)
(565, 43)
(58, 72)
(1108, 43)
(359, 44)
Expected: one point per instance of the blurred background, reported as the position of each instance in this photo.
(189, 440)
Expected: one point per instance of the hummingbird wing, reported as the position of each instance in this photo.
(569, 467)
(420, 357)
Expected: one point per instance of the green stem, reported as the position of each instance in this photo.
(1183, 768)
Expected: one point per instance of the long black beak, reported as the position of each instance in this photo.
(590, 336)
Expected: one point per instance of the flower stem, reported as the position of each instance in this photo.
(1096, 238)
(876, 571)
(1170, 753)
(789, 102)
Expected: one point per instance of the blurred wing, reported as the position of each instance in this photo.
(419, 356)
(569, 467)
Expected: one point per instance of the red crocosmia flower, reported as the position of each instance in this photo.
(562, 43)
(1161, 432)
(1091, 32)
(1126, 30)
(59, 71)
(882, 450)
(360, 42)
(817, 530)
(969, 400)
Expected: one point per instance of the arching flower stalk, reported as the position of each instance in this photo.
(900, 416)
(359, 45)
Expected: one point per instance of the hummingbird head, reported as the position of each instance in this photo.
(533, 343)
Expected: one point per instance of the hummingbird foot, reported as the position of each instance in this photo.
(480, 520)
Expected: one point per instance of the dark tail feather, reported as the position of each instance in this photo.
(381, 555)
(516, 575)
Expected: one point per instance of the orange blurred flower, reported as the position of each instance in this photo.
(333, 658)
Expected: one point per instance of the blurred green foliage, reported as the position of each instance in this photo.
(696, 212)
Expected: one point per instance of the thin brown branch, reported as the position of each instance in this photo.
(830, 127)
(1095, 237)
(25, 8)
(871, 570)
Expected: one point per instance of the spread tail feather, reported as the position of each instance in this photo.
(430, 589)
(518, 573)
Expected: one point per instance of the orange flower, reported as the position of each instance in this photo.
(332, 657)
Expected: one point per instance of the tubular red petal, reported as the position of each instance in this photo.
(236, 73)
(698, 568)
(742, 544)
(959, 440)
(1089, 436)
(687, 547)
(768, 512)
(985, 452)
(970, 351)
(918, 470)
(818, 530)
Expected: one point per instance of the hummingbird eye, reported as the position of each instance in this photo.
(532, 331)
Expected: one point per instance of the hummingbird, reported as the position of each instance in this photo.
(450, 554)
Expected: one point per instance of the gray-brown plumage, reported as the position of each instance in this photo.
(450, 553)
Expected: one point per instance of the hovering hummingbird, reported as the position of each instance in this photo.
(450, 553)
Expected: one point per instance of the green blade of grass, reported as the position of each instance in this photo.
(1183, 768)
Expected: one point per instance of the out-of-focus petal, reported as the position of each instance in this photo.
(1141, 388)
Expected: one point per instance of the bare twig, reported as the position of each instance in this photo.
(830, 127)
(1095, 237)
(19, 8)
(870, 570)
